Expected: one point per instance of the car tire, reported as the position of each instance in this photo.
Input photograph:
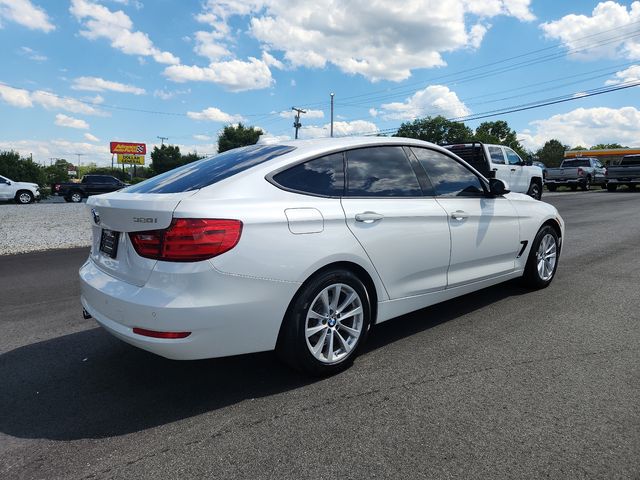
(535, 190)
(75, 197)
(586, 185)
(612, 187)
(316, 337)
(24, 197)
(573, 187)
(542, 262)
(552, 188)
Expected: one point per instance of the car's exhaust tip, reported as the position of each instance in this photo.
(86, 315)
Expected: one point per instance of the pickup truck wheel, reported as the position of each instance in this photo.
(23, 197)
(543, 259)
(612, 187)
(573, 187)
(75, 197)
(552, 188)
(586, 185)
(535, 190)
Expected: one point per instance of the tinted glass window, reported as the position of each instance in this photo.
(380, 172)
(634, 160)
(496, 155)
(321, 176)
(512, 157)
(575, 163)
(209, 170)
(449, 178)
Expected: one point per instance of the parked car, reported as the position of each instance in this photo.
(542, 166)
(302, 246)
(90, 185)
(576, 172)
(498, 161)
(21, 192)
(627, 172)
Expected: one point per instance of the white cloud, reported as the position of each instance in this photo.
(213, 114)
(91, 138)
(21, 98)
(340, 129)
(42, 150)
(97, 84)
(586, 126)
(31, 54)
(169, 94)
(202, 138)
(70, 122)
(373, 112)
(631, 74)
(432, 100)
(26, 14)
(610, 17)
(234, 75)
(310, 114)
(208, 45)
(100, 22)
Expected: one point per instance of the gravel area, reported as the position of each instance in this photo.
(43, 226)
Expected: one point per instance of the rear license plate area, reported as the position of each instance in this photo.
(109, 243)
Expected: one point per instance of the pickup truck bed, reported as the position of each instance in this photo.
(576, 172)
(626, 173)
(90, 185)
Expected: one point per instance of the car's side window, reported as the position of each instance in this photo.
(496, 155)
(449, 178)
(512, 157)
(380, 172)
(321, 176)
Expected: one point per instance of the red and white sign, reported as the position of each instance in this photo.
(130, 148)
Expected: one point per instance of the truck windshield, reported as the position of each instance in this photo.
(635, 160)
(208, 171)
(575, 163)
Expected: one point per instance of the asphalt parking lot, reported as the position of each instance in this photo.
(502, 383)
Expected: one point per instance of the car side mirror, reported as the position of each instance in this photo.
(498, 187)
(7, 182)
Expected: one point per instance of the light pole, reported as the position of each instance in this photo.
(332, 95)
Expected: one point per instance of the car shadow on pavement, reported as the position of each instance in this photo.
(91, 385)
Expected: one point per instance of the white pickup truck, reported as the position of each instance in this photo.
(498, 161)
(21, 192)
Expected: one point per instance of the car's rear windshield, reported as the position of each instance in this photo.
(208, 171)
(576, 163)
(635, 160)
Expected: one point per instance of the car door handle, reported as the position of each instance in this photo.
(513, 169)
(459, 215)
(368, 217)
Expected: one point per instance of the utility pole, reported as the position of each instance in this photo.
(332, 95)
(79, 155)
(296, 123)
(162, 139)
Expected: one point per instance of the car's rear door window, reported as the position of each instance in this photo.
(320, 176)
(208, 171)
(380, 172)
(496, 155)
(448, 177)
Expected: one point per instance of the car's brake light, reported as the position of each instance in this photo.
(188, 239)
(580, 172)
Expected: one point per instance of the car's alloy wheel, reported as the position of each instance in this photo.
(76, 197)
(24, 198)
(542, 261)
(535, 191)
(334, 323)
(587, 184)
(546, 257)
(326, 323)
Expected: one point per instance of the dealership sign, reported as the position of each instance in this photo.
(129, 148)
(130, 159)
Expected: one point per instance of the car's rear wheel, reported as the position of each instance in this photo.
(24, 197)
(552, 188)
(573, 187)
(75, 197)
(543, 259)
(612, 187)
(587, 184)
(326, 324)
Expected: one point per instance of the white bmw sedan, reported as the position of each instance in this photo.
(302, 246)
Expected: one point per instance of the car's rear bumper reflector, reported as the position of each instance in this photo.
(155, 334)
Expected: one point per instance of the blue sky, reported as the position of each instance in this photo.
(78, 74)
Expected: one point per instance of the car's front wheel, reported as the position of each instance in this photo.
(535, 190)
(543, 259)
(326, 323)
(24, 197)
(75, 197)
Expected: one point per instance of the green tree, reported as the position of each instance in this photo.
(606, 146)
(58, 172)
(500, 133)
(437, 130)
(165, 158)
(551, 153)
(21, 169)
(578, 147)
(234, 136)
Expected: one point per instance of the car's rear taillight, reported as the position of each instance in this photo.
(580, 172)
(188, 239)
(155, 334)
